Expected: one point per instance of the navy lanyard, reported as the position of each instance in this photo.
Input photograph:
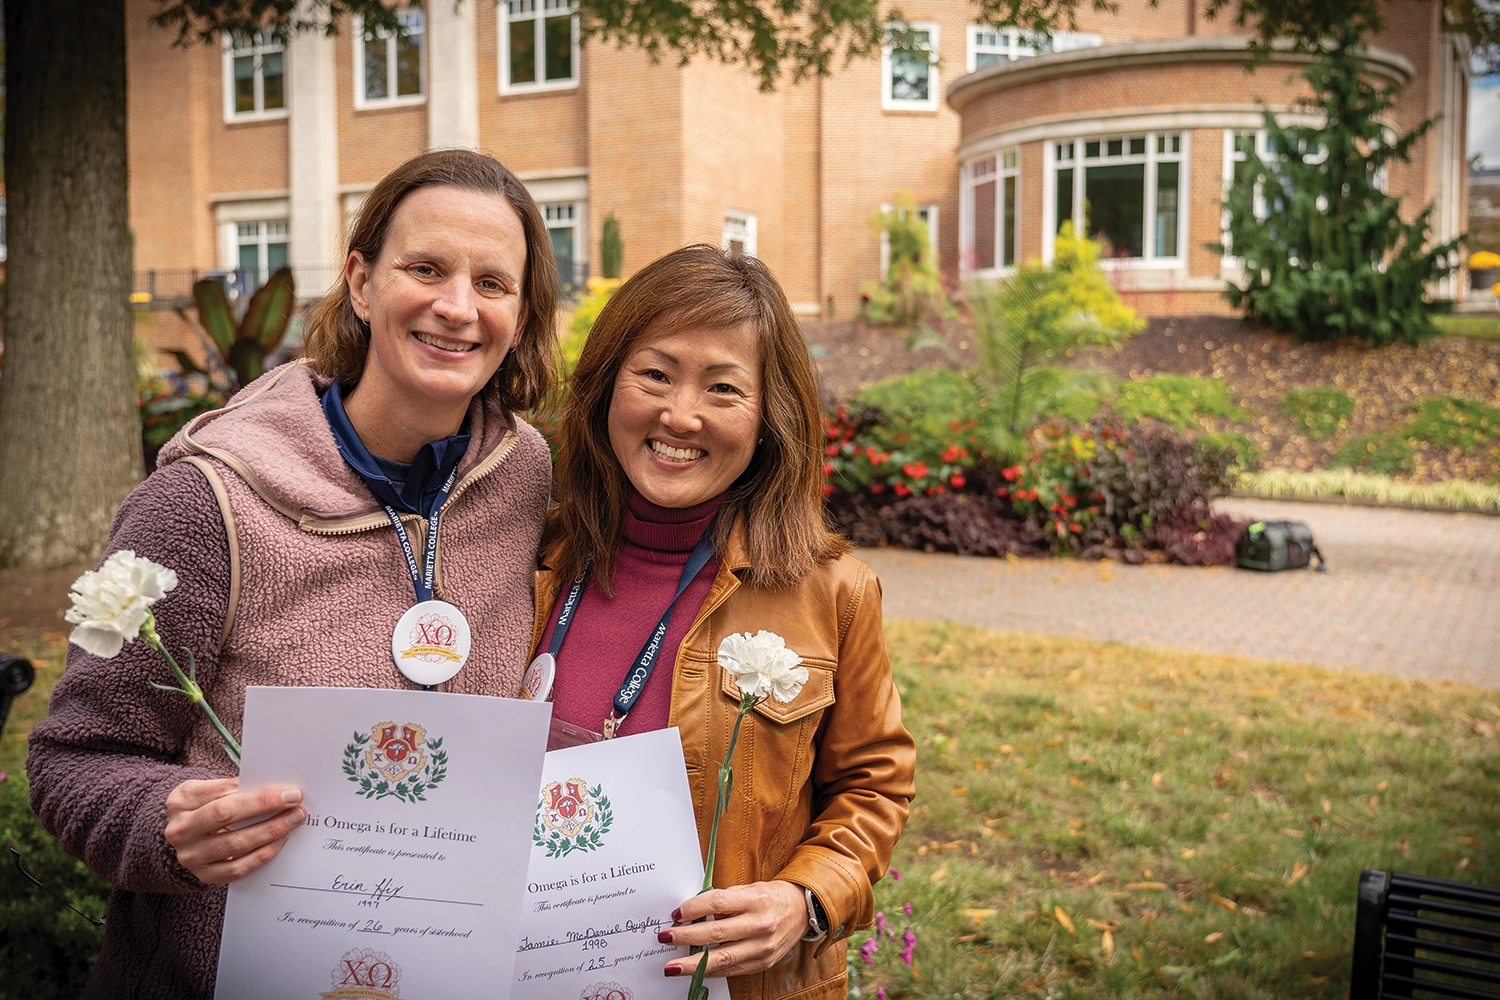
(645, 661)
(422, 580)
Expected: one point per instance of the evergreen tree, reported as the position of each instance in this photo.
(1327, 255)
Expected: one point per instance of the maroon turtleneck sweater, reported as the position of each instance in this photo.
(607, 633)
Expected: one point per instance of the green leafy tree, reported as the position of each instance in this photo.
(1029, 321)
(911, 290)
(1327, 255)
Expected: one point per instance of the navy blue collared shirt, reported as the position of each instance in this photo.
(425, 476)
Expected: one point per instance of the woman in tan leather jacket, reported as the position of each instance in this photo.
(689, 478)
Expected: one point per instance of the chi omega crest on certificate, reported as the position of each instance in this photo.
(606, 991)
(365, 974)
(571, 817)
(397, 760)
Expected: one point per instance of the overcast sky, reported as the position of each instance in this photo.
(1484, 120)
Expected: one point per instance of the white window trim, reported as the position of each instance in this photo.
(1148, 234)
(966, 218)
(1016, 47)
(932, 235)
(228, 215)
(357, 40)
(887, 102)
(752, 231)
(580, 226)
(232, 116)
(503, 60)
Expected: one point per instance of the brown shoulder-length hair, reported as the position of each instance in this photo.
(778, 499)
(337, 340)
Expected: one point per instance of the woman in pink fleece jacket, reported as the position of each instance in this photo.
(272, 513)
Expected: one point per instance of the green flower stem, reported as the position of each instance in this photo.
(188, 687)
(696, 989)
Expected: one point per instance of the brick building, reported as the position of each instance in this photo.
(252, 156)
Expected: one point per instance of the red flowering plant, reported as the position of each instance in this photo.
(863, 452)
(1052, 486)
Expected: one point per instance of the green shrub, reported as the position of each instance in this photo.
(1318, 412)
(1029, 321)
(1244, 454)
(1449, 421)
(910, 291)
(930, 398)
(46, 949)
(1177, 400)
(1384, 453)
(611, 248)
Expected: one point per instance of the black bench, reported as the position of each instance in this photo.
(1416, 936)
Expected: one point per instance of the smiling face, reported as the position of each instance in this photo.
(686, 413)
(442, 300)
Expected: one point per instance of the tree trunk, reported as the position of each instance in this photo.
(70, 440)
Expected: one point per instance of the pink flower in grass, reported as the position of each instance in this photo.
(879, 922)
(867, 951)
(911, 945)
(906, 908)
(895, 875)
(880, 993)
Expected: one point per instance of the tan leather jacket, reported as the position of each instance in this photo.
(823, 784)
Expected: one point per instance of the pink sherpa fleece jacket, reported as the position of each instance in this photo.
(289, 574)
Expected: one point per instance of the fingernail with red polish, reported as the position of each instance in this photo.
(677, 913)
(665, 937)
(674, 970)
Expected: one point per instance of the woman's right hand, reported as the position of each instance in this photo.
(201, 818)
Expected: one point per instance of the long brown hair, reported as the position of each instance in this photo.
(778, 499)
(338, 341)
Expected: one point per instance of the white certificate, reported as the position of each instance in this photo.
(407, 878)
(615, 851)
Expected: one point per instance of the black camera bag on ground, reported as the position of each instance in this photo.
(1277, 545)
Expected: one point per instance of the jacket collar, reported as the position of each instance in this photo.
(274, 436)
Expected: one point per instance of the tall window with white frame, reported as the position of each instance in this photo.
(991, 234)
(538, 45)
(988, 46)
(740, 233)
(909, 69)
(563, 221)
(1125, 191)
(254, 78)
(262, 249)
(389, 66)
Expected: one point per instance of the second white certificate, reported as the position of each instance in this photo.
(614, 851)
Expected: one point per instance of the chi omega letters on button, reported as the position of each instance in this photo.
(431, 642)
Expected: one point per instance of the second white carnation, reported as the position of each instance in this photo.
(763, 665)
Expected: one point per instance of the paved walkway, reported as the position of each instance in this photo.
(1408, 592)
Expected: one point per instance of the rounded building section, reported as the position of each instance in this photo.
(1135, 144)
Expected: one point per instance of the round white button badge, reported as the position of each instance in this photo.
(431, 642)
(537, 684)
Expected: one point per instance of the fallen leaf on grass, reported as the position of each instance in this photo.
(1463, 863)
(1103, 925)
(1404, 848)
(1309, 778)
(1189, 853)
(1340, 821)
(1221, 817)
(1291, 832)
(1107, 943)
(1157, 779)
(987, 832)
(1327, 806)
(966, 938)
(1215, 936)
(938, 875)
(960, 791)
(1382, 786)
(1298, 870)
(1321, 954)
(1073, 780)
(1096, 879)
(1469, 841)
(1227, 904)
(994, 822)
(979, 916)
(1007, 748)
(1056, 741)
(1145, 885)
(1064, 919)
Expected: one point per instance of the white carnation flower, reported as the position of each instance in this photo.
(111, 603)
(762, 665)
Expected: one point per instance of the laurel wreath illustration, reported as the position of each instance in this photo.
(412, 788)
(591, 838)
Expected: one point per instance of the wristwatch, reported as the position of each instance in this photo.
(817, 920)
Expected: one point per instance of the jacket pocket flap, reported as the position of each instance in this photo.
(816, 694)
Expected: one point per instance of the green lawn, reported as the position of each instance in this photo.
(1210, 814)
(1095, 820)
(1478, 327)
